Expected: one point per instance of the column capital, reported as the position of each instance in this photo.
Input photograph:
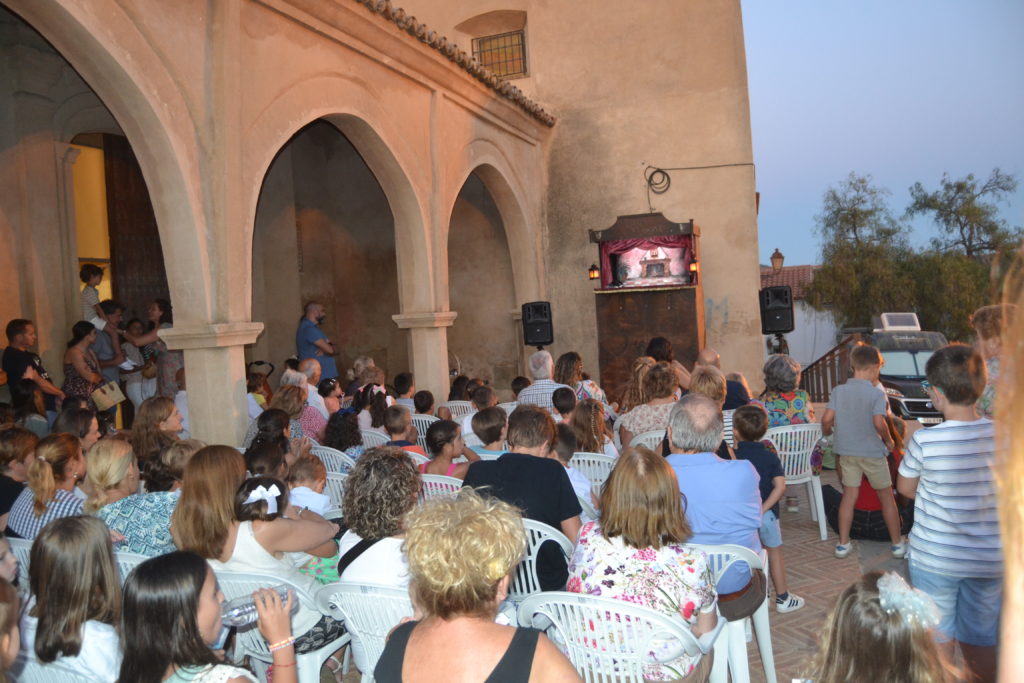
(425, 319)
(210, 335)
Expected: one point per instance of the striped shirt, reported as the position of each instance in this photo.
(539, 393)
(956, 524)
(23, 520)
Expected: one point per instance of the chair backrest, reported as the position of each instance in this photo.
(22, 549)
(417, 458)
(27, 669)
(508, 406)
(333, 459)
(435, 485)
(369, 613)
(616, 437)
(651, 439)
(525, 581)
(589, 511)
(244, 584)
(335, 488)
(372, 438)
(721, 557)
(126, 562)
(422, 424)
(795, 443)
(608, 639)
(458, 409)
(594, 466)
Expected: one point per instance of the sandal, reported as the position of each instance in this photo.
(336, 667)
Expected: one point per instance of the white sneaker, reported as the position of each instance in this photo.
(899, 551)
(843, 550)
(791, 604)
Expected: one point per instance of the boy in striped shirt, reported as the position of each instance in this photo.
(955, 551)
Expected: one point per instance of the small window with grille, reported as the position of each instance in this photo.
(504, 54)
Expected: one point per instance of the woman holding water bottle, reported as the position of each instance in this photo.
(172, 616)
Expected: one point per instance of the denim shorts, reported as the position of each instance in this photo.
(770, 532)
(969, 606)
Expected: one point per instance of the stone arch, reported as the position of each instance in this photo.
(84, 113)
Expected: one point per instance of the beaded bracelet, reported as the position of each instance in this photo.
(282, 644)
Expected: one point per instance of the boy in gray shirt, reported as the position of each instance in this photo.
(856, 413)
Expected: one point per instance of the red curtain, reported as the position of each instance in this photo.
(622, 246)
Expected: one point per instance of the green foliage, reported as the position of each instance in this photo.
(966, 213)
(948, 287)
(855, 211)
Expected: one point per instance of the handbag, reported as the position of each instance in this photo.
(149, 370)
(107, 396)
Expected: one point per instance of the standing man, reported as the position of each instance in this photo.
(19, 363)
(312, 342)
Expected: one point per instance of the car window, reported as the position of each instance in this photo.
(905, 363)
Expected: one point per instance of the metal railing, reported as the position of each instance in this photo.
(829, 371)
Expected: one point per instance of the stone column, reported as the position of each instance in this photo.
(215, 377)
(428, 348)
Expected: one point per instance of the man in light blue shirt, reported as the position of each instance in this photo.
(312, 342)
(720, 497)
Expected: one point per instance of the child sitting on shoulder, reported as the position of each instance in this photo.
(490, 426)
(749, 424)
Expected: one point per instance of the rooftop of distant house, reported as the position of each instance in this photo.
(798, 278)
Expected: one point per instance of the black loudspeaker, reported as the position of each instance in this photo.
(776, 310)
(537, 329)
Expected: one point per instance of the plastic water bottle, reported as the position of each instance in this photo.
(242, 610)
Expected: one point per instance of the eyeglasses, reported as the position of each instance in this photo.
(926, 385)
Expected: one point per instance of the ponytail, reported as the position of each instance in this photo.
(53, 454)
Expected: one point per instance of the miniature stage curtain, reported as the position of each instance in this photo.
(622, 246)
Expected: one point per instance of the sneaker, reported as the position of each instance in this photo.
(792, 504)
(790, 604)
(843, 550)
(899, 551)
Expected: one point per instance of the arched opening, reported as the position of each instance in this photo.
(483, 341)
(325, 231)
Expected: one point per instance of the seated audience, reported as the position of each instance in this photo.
(569, 371)
(310, 367)
(751, 422)
(204, 522)
(458, 587)
(266, 460)
(457, 392)
(355, 374)
(30, 408)
(307, 478)
(640, 543)
(401, 431)
(530, 479)
(10, 634)
(75, 599)
(882, 630)
(518, 384)
(633, 395)
(563, 401)
(709, 381)
(659, 386)
(379, 493)
(490, 426)
(256, 403)
(785, 402)
(156, 427)
(405, 387)
(482, 397)
(142, 519)
(8, 564)
(52, 477)
(737, 392)
(370, 402)
(423, 401)
(171, 621)
(565, 448)
(542, 366)
(591, 430)
(330, 391)
(660, 349)
(743, 387)
(80, 423)
(342, 434)
(17, 451)
(166, 471)
(292, 400)
(444, 441)
(723, 502)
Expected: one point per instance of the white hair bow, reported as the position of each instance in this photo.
(270, 495)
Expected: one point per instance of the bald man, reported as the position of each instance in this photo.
(735, 393)
(312, 342)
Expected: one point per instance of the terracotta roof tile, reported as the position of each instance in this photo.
(797, 277)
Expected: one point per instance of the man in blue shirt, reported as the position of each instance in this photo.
(721, 498)
(312, 342)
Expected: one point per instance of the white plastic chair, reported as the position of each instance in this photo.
(333, 459)
(651, 440)
(795, 443)
(27, 669)
(731, 648)
(422, 424)
(611, 640)
(373, 438)
(594, 466)
(126, 562)
(525, 581)
(369, 613)
(589, 511)
(437, 485)
(22, 549)
(249, 642)
(615, 432)
(508, 406)
(417, 458)
(335, 488)
(458, 409)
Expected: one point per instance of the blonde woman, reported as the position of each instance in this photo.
(634, 394)
(52, 477)
(461, 554)
(142, 519)
(659, 386)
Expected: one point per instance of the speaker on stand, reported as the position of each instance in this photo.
(537, 327)
(777, 313)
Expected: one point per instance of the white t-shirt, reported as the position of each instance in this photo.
(100, 656)
(314, 399)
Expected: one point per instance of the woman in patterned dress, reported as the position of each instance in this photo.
(81, 367)
(637, 553)
(569, 371)
(168, 362)
(785, 402)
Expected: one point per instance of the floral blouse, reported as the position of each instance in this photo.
(787, 407)
(646, 418)
(674, 580)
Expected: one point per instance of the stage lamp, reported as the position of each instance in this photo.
(594, 272)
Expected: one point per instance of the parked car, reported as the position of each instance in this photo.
(905, 355)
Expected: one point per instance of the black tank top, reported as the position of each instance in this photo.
(514, 667)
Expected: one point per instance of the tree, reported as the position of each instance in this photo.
(948, 287)
(855, 211)
(967, 214)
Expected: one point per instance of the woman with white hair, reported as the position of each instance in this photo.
(782, 398)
